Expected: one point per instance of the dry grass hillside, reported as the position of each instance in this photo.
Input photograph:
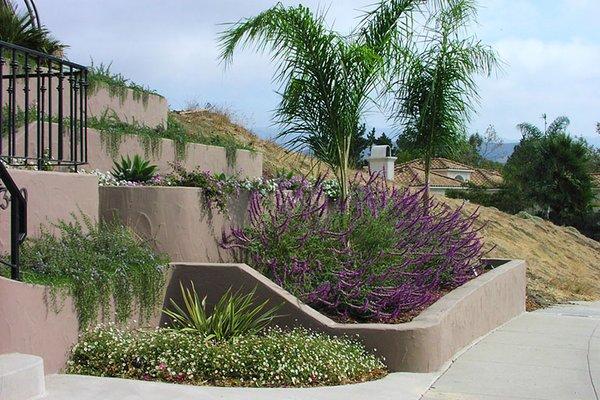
(563, 265)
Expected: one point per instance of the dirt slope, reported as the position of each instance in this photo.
(563, 265)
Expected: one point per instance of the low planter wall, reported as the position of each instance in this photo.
(207, 158)
(51, 196)
(174, 219)
(151, 113)
(31, 324)
(422, 345)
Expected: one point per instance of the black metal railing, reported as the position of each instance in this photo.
(15, 198)
(43, 118)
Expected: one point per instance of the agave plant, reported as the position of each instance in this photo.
(136, 170)
(18, 28)
(234, 315)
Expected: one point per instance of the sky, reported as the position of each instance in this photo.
(550, 51)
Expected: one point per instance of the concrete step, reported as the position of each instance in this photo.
(21, 377)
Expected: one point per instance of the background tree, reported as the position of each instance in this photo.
(552, 170)
(479, 149)
(435, 91)
(326, 78)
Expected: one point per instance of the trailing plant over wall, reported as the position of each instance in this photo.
(96, 264)
(227, 141)
(117, 84)
(113, 131)
(275, 358)
(19, 119)
(381, 256)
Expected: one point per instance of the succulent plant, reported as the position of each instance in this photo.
(136, 170)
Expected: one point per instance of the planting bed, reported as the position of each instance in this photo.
(422, 345)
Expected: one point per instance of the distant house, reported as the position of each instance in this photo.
(446, 174)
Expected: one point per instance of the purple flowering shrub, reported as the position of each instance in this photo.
(384, 254)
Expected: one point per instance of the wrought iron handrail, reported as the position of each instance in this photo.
(49, 92)
(18, 219)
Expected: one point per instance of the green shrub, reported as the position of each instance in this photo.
(277, 358)
(136, 170)
(234, 315)
(505, 199)
(96, 264)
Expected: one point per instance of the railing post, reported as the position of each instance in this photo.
(18, 221)
(25, 71)
(15, 262)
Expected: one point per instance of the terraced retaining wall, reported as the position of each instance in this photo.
(151, 111)
(245, 164)
(175, 220)
(422, 345)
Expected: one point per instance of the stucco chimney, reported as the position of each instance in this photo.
(381, 160)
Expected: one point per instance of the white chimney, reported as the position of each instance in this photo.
(381, 160)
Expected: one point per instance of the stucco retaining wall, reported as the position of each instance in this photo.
(207, 158)
(151, 113)
(51, 196)
(422, 345)
(174, 219)
(247, 164)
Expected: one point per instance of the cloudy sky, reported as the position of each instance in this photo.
(551, 50)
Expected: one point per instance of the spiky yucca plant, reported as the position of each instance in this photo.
(136, 170)
(235, 314)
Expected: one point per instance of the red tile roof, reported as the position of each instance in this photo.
(412, 173)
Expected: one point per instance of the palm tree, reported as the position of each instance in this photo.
(326, 78)
(20, 28)
(559, 125)
(435, 91)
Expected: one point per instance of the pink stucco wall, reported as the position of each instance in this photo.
(100, 156)
(152, 113)
(51, 196)
(33, 322)
(204, 157)
(174, 220)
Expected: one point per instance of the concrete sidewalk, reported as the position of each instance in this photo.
(74, 387)
(550, 354)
